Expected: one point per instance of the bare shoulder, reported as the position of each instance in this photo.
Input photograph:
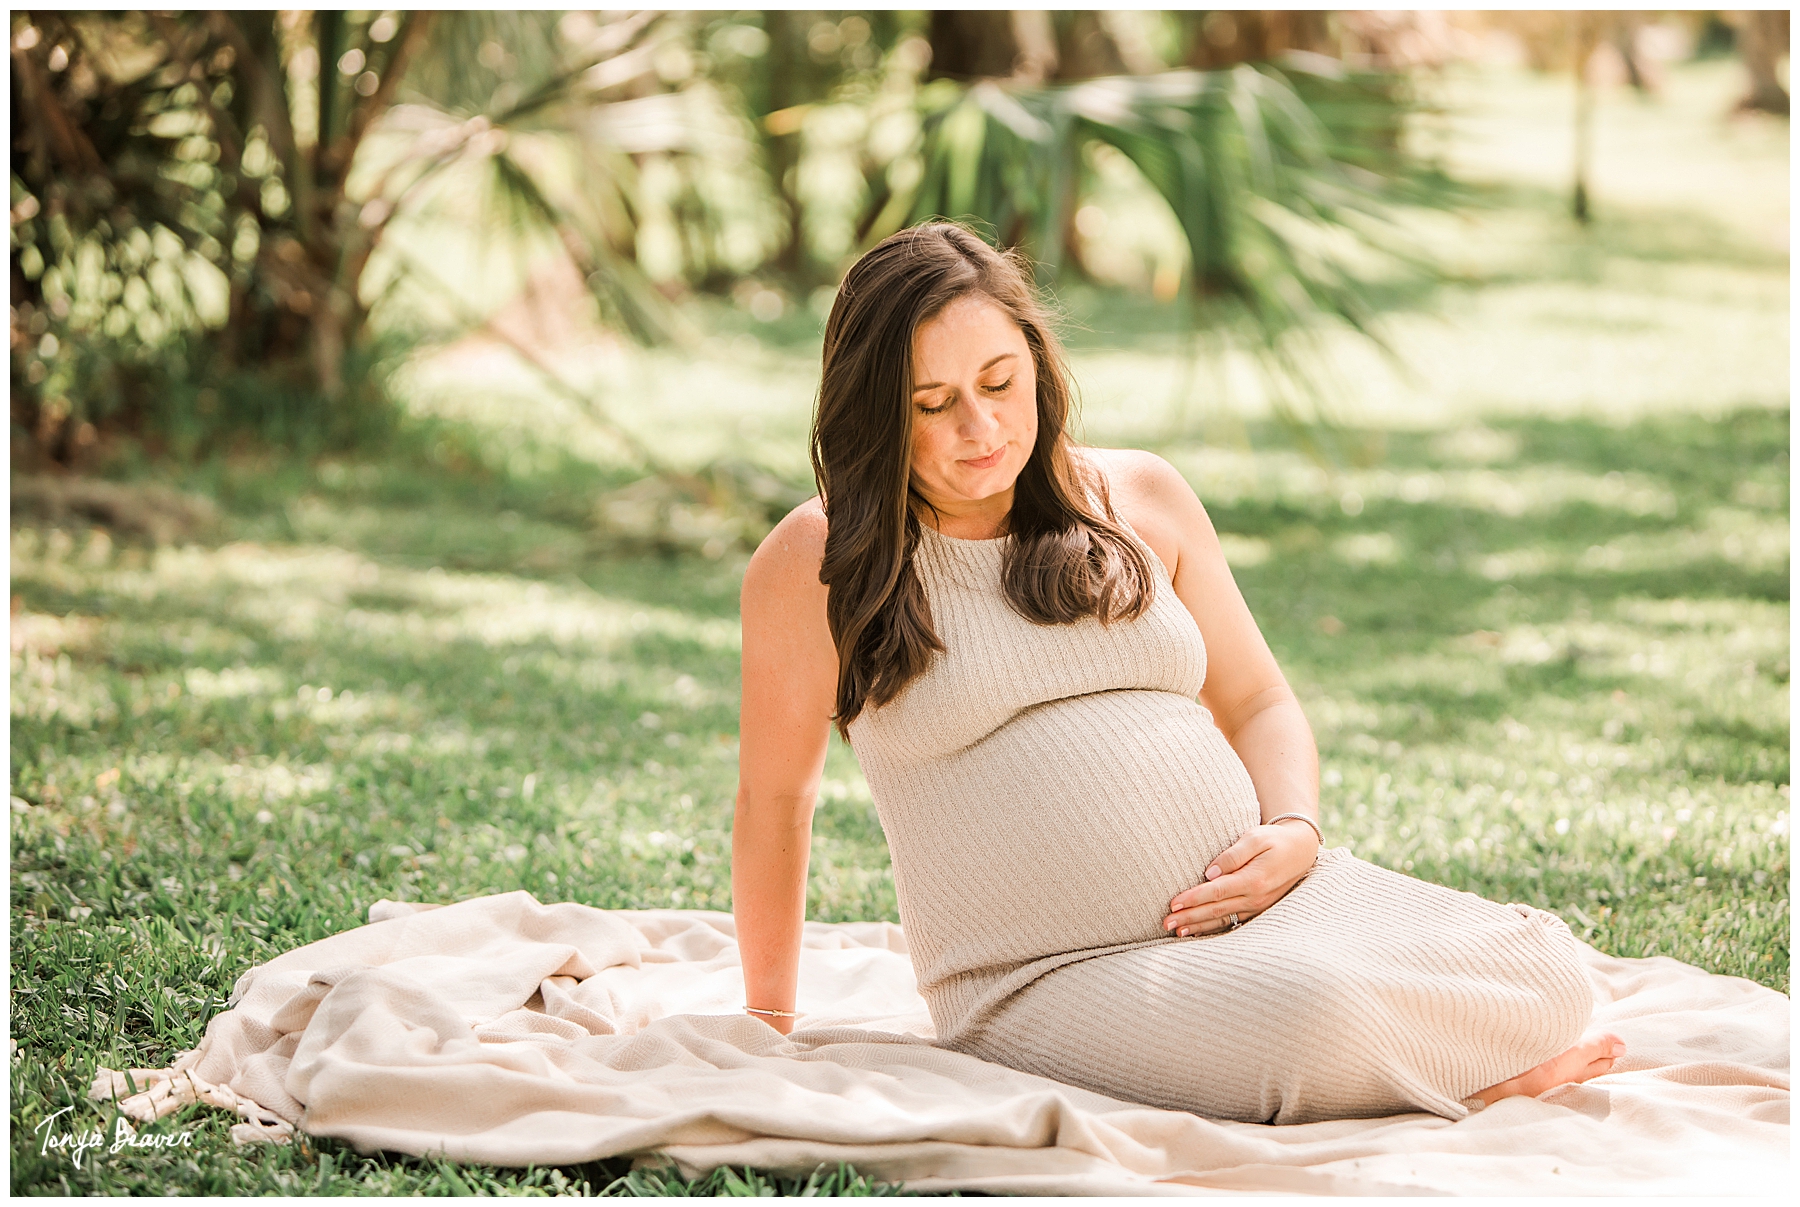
(1153, 497)
(786, 563)
(1145, 488)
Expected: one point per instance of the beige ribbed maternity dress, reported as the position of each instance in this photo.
(1046, 789)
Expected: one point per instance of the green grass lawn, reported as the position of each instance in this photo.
(1544, 646)
(1560, 677)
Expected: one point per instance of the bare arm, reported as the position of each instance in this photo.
(1245, 690)
(789, 686)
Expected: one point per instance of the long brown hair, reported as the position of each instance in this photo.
(1069, 556)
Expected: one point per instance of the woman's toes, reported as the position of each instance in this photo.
(1602, 1052)
(1590, 1058)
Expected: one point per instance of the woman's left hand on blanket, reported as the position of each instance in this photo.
(1248, 877)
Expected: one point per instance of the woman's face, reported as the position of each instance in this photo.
(975, 408)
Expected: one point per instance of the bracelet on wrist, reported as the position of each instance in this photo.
(770, 1013)
(1298, 817)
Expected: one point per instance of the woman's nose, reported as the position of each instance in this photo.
(978, 417)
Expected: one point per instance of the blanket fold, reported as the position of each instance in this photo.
(506, 1031)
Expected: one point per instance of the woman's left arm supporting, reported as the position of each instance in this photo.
(1249, 697)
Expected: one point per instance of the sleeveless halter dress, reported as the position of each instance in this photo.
(1046, 789)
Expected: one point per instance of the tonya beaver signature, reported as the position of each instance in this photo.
(77, 1144)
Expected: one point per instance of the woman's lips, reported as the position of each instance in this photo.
(987, 462)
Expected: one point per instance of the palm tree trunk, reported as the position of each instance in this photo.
(971, 44)
(1762, 39)
(1084, 49)
(787, 40)
(1584, 113)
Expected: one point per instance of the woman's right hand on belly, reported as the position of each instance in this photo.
(1247, 878)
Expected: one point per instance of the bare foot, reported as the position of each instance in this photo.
(1591, 1057)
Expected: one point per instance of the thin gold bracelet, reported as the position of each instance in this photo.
(1298, 817)
(771, 1013)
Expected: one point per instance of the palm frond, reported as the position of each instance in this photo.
(558, 155)
(1265, 169)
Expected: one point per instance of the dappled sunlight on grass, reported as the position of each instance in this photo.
(1368, 549)
(507, 539)
(732, 396)
(1228, 475)
(526, 718)
(300, 592)
(1244, 551)
(1739, 538)
(268, 714)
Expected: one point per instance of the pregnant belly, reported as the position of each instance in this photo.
(1067, 828)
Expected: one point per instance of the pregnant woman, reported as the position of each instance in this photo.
(1099, 792)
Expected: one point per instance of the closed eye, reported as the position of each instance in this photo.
(949, 402)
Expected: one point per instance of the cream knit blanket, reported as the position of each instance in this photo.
(505, 1031)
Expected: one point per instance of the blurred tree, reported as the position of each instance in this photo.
(1027, 46)
(971, 44)
(1585, 37)
(1225, 37)
(1567, 41)
(195, 194)
(202, 192)
(1762, 40)
(1713, 36)
(159, 155)
(1085, 47)
(801, 71)
(808, 59)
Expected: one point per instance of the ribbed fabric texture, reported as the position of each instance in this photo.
(1045, 791)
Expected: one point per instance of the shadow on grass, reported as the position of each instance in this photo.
(1650, 235)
